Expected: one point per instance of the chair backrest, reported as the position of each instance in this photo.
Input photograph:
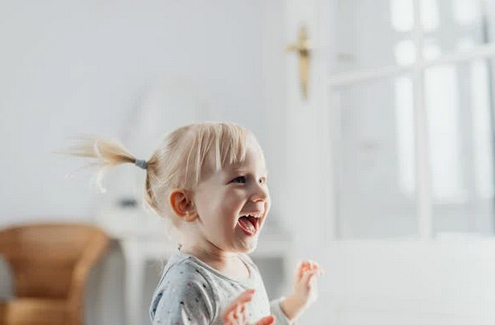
(43, 256)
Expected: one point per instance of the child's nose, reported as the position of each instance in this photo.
(260, 194)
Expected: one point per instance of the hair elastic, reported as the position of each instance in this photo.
(141, 163)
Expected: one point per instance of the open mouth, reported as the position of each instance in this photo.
(249, 224)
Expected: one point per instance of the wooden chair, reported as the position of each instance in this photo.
(50, 265)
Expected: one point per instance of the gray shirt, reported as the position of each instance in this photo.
(192, 292)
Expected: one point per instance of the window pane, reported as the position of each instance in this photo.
(460, 129)
(374, 141)
(373, 34)
(454, 25)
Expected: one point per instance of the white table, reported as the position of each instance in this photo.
(143, 238)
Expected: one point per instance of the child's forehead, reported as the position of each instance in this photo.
(254, 160)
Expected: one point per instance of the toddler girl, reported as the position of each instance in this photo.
(210, 180)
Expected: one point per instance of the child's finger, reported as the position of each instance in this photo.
(235, 317)
(299, 270)
(229, 310)
(244, 297)
(231, 319)
(241, 300)
(237, 312)
(305, 277)
(242, 319)
(308, 276)
(301, 267)
(303, 270)
(306, 266)
(316, 266)
(240, 314)
(268, 320)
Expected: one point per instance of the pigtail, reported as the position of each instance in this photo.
(105, 154)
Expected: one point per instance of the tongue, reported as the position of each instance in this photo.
(246, 225)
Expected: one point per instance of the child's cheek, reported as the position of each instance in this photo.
(268, 204)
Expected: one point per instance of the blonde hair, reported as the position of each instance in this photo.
(182, 160)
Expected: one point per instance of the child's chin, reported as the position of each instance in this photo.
(248, 246)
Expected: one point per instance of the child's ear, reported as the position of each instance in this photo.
(182, 204)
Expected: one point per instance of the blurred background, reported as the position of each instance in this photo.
(383, 171)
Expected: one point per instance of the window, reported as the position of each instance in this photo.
(413, 123)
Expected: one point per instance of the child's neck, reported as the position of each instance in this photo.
(227, 263)
(209, 254)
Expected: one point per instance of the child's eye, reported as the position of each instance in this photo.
(262, 180)
(240, 179)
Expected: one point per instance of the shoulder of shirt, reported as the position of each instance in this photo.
(185, 268)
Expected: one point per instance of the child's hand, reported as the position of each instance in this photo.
(305, 286)
(236, 313)
(305, 289)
